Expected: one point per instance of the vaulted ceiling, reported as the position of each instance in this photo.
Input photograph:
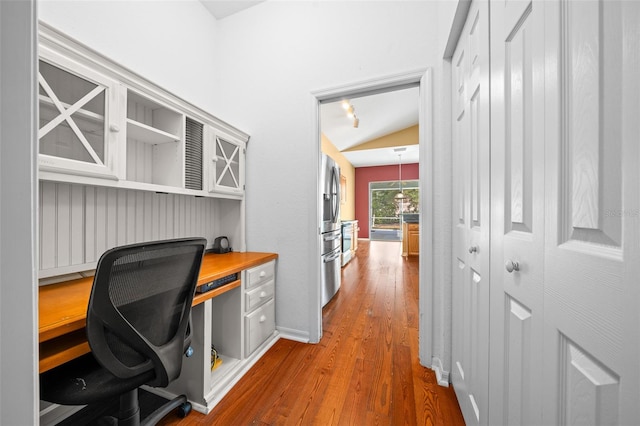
(379, 114)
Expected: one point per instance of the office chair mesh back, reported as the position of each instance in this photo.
(139, 309)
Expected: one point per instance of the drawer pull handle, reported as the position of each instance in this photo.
(262, 274)
(263, 318)
(263, 294)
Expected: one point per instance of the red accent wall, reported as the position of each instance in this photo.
(365, 175)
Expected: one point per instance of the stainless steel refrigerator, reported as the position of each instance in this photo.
(330, 228)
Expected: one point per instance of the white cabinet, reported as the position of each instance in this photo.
(226, 168)
(259, 325)
(78, 109)
(240, 324)
(260, 274)
(259, 322)
(257, 296)
(103, 125)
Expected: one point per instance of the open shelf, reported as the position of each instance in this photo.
(201, 297)
(155, 145)
(154, 115)
(147, 134)
(228, 366)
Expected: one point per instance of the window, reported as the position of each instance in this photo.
(385, 213)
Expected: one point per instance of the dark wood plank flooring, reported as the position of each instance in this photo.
(365, 370)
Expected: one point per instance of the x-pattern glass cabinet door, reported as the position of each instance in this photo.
(228, 166)
(78, 125)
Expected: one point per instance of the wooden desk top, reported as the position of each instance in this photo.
(62, 307)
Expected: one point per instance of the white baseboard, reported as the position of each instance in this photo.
(292, 334)
(442, 376)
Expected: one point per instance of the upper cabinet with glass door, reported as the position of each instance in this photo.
(78, 108)
(226, 171)
(101, 124)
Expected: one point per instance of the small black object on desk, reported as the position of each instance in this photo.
(221, 245)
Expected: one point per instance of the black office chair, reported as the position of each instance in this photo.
(137, 326)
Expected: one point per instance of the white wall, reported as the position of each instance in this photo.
(171, 43)
(271, 57)
(18, 296)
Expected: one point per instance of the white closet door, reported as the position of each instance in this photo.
(592, 240)
(517, 245)
(471, 216)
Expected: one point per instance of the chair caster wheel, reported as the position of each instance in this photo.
(184, 410)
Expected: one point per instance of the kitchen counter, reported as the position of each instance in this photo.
(411, 218)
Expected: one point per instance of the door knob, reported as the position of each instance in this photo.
(511, 266)
(473, 249)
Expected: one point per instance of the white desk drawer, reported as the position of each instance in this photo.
(260, 273)
(259, 295)
(259, 325)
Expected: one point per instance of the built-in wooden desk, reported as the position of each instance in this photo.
(62, 307)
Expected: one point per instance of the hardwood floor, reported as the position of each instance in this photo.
(365, 370)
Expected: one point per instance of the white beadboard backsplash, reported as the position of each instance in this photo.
(78, 223)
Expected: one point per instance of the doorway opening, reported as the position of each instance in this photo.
(423, 80)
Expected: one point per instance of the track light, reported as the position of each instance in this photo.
(351, 112)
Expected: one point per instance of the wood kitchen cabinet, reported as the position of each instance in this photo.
(410, 239)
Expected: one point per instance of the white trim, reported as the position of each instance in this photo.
(371, 86)
(423, 78)
(19, 389)
(50, 174)
(426, 163)
(314, 306)
(459, 19)
(215, 396)
(292, 334)
(442, 376)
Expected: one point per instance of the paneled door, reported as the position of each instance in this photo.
(470, 293)
(591, 357)
(517, 227)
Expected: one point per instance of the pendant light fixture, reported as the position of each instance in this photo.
(400, 198)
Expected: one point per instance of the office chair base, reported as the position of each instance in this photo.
(179, 402)
(83, 381)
